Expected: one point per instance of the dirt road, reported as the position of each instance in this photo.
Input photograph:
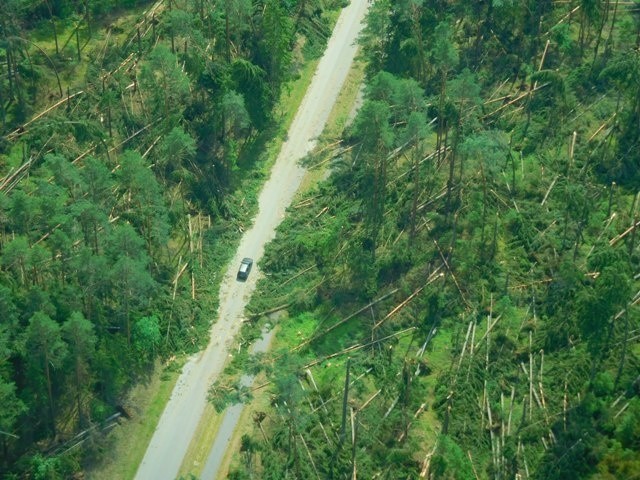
(180, 418)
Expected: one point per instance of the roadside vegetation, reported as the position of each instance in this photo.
(134, 138)
(461, 292)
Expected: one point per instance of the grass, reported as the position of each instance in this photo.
(438, 356)
(202, 441)
(128, 442)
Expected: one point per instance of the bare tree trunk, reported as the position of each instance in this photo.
(53, 26)
(624, 348)
(603, 22)
(416, 193)
(354, 439)
(47, 372)
(345, 399)
(343, 426)
(78, 44)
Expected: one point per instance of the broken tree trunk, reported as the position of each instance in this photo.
(315, 470)
(344, 403)
(354, 471)
(616, 239)
(408, 299)
(513, 395)
(464, 346)
(344, 320)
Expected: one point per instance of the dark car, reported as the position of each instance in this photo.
(245, 268)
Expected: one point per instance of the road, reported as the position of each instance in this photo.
(184, 409)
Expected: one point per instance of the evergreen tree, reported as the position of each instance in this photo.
(45, 352)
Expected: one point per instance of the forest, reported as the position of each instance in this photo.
(132, 143)
(458, 300)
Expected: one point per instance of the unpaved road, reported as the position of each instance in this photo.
(182, 414)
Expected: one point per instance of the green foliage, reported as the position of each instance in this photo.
(224, 395)
(450, 462)
(177, 147)
(147, 336)
(166, 83)
(45, 468)
(44, 342)
(444, 53)
(277, 38)
(12, 407)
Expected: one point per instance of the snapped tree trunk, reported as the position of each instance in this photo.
(47, 372)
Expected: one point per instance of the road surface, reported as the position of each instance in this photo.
(232, 416)
(182, 414)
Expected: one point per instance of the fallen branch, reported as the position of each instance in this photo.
(324, 210)
(533, 391)
(601, 127)
(424, 473)
(489, 328)
(133, 135)
(368, 401)
(568, 15)
(455, 281)
(491, 99)
(472, 465)
(621, 410)
(310, 457)
(415, 415)
(8, 180)
(606, 227)
(464, 346)
(296, 275)
(428, 157)
(82, 155)
(153, 144)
